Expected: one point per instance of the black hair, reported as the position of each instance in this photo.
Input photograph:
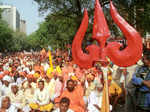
(41, 81)
(147, 54)
(65, 100)
(37, 72)
(70, 81)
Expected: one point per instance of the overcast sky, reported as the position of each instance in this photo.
(28, 11)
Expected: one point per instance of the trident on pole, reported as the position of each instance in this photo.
(123, 58)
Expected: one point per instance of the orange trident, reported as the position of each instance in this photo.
(101, 52)
(126, 57)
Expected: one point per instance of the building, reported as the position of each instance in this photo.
(11, 16)
(23, 26)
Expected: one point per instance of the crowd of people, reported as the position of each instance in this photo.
(29, 83)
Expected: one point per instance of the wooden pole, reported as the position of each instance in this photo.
(105, 99)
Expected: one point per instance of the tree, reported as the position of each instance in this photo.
(32, 40)
(12, 41)
(63, 21)
(1, 13)
(19, 42)
(136, 12)
(68, 14)
(5, 36)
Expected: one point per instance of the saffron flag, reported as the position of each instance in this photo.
(105, 99)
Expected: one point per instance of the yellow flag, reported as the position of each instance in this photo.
(49, 73)
(105, 99)
(58, 69)
(50, 61)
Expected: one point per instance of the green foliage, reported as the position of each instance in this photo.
(66, 6)
(11, 41)
(33, 41)
(54, 32)
(63, 21)
(0, 13)
(19, 42)
(143, 15)
(61, 30)
(5, 36)
(136, 12)
(61, 24)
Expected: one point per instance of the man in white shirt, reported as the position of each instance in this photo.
(28, 91)
(5, 89)
(50, 86)
(17, 98)
(64, 105)
(6, 105)
(31, 71)
(45, 65)
(21, 78)
(95, 99)
(6, 66)
(41, 98)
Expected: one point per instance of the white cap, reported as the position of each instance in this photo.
(7, 78)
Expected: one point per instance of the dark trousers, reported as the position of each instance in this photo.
(138, 109)
(130, 103)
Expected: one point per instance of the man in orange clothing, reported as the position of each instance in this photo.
(76, 99)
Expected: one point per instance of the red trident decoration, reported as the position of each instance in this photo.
(123, 58)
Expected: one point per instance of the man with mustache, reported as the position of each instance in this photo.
(75, 97)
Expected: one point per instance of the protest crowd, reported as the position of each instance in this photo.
(51, 82)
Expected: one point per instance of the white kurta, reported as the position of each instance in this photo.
(28, 94)
(12, 108)
(94, 98)
(19, 101)
(45, 65)
(5, 90)
(41, 97)
(20, 80)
